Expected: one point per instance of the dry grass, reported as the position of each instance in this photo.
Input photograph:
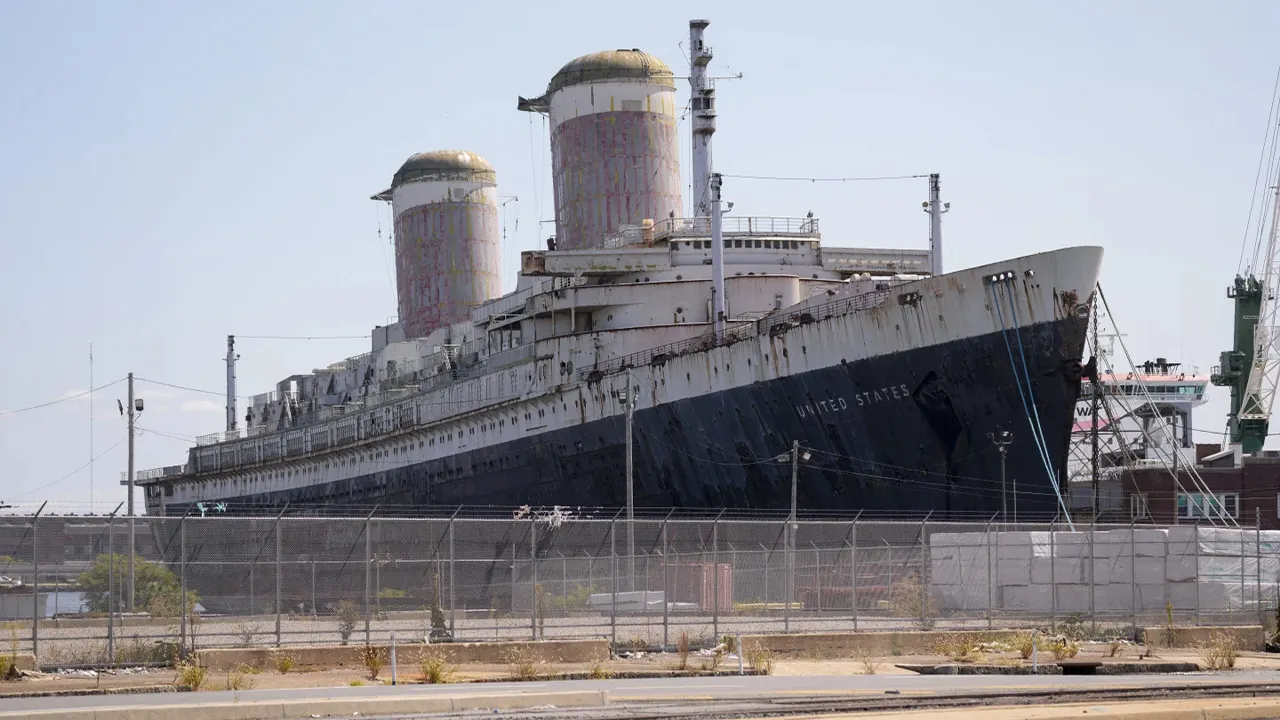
(523, 663)
(191, 674)
(240, 678)
(283, 661)
(907, 599)
(1115, 647)
(600, 672)
(759, 657)
(959, 647)
(1221, 652)
(1026, 643)
(869, 664)
(374, 658)
(682, 649)
(435, 669)
(1063, 648)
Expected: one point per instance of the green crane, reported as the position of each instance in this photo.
(1244, 426)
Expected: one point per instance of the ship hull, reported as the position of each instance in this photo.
(906, 432)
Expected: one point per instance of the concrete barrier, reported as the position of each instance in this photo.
(24, 661)
(325, 657)
(834, 645)
(1247, 637)
(247, 709)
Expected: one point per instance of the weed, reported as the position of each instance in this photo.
(392, 594)
(713, 661)
(1063, 648)
(356, 683)
(600, 672)
(522, 662)
(435, 669)
(373, 658)
(907, 599)
(729, 644)
(1073, 627)
(283, 661)
(238, 679)
(682, 649)
(246, 631)
(191, 674)
(759, 658)
(575, 598)
(348, 615)
(1026, 643)
(1114, 646)
(958, 647)
(1169, 634)
(867, 660)
(1221, 652)
(635, 644)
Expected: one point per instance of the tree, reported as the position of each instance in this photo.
(156, 589)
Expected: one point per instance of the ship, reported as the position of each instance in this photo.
(660, 359)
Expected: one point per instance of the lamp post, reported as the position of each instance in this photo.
(1001, 439)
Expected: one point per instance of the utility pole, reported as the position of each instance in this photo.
(1001, 439)
(1093, 409)
(935, 207)
(132, 420)
(628, 397)
(90, 428)
(231, 383)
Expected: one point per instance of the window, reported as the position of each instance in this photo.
(1138, 506)
(1194, 506)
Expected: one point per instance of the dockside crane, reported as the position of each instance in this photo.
(1252, 367)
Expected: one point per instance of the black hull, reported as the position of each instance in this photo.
(905, 433)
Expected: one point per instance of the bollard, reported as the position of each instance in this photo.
(1035, 653)
(393, 657)
(737, 645)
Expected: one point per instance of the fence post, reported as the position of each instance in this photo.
(1053, 577)
(35, 589)
(279, 527)
(1093, 605)
(533, 559)
(788, 532)
(1195, 535)
(924, 576)
(853, 572)
(252, 590)
(111, 589)
(368, 562)
(1242, 551)
(613, 584)
(666, 587)
(1257, 559)
(182, 585)
(564, 580)
(1133, 575)
(453, 633)
(715, 567)
(314, 611)
(817, 576)
(990, 580)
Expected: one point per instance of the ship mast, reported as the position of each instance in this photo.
(706, 184)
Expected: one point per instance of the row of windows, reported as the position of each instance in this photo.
(757, 244)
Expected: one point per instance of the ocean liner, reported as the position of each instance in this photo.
(708, 344)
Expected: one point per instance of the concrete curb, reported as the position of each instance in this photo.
(1192, 709)
(287, 709)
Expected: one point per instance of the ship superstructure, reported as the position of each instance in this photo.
(734, 336)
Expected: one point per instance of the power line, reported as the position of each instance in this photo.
(302, 337)
(824, 179)
(189, 389)
(61, 400)
(73, 472)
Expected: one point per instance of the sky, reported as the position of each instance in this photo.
(171, 173)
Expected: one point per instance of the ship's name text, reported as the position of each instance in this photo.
(840, 404)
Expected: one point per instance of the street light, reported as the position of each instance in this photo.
(795, 456)
(1002, 438)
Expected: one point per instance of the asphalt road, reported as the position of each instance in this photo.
(692, 689)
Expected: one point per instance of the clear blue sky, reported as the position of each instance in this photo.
(174, 172)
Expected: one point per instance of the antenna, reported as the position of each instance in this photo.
(91, 428)
(703, 108)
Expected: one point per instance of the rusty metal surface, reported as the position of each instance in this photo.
(447, 260)
(613, 169)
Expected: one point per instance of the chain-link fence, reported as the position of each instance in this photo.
(67, 590)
